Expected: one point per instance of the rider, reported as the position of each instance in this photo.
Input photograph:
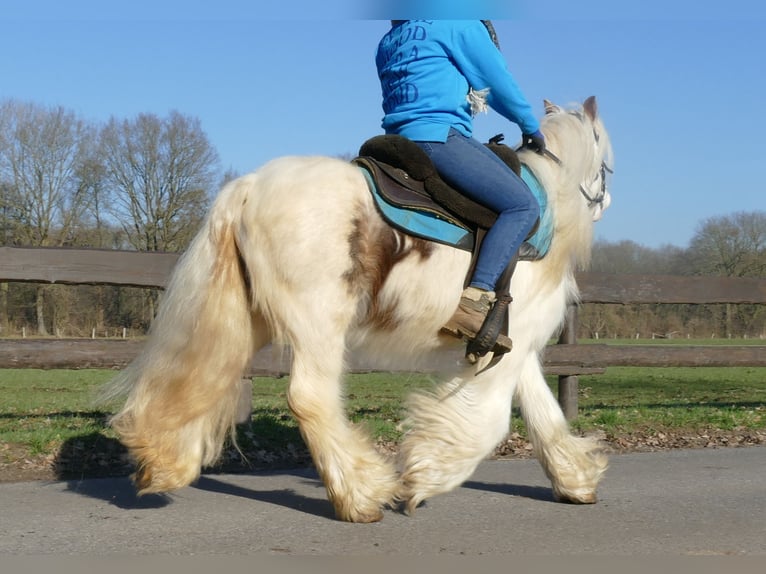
(435, 76)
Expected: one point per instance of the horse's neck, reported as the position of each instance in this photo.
(573, 225)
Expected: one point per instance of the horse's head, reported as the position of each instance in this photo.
(581, 146)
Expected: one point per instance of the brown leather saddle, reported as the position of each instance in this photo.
(405, 176)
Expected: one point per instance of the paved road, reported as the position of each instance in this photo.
(707, 502)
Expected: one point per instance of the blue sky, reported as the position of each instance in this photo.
(681, 85)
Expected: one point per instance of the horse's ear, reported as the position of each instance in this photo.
(550, 107)
(591, 108)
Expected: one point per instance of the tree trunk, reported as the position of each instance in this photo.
(40, 308)
(151, 304)
(99, 321)
(5, 320)
(729, 320)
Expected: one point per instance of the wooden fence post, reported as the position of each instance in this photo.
(568, 383)
(245, 404)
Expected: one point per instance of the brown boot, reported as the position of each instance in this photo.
(471, 312)
(470, 315)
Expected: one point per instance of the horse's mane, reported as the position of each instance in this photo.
(570, 135)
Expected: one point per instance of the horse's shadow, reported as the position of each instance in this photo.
(96, 466)
(541, 493)
(83, 456)
(287, 497)
(121, 492)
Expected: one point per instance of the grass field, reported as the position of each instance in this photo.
(49, 415)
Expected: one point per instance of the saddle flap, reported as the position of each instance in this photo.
(398, 188)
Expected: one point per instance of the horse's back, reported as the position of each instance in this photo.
(307, 182)
(302, 207)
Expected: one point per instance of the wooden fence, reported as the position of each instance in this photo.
(566, 359)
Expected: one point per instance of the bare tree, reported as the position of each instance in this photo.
(629, 257)
(41, 149)
(160, 172)
(731, 245)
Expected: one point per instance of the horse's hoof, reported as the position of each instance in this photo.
(142, 479)
(584, 498)
(364, 518)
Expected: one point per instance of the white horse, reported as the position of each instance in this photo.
(296, 254)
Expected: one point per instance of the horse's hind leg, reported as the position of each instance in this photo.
(573, 464)
(358, 479)
(183, 389)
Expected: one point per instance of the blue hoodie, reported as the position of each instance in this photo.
(426, 68)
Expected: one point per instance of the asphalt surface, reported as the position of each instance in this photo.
(678, 503)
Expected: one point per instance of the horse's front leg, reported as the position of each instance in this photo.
(450, 430)
(359, 480)
(574, 464)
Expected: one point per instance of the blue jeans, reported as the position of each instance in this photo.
(476, 172)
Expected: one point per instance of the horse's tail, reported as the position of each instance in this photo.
(183, 389)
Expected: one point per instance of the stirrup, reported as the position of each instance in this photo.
(491, 332)
(489, 338)
(502, 344)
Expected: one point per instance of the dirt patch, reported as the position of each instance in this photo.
(95, 456)
(16, 464)
(516, 446)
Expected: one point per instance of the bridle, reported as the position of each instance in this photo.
(604, 169)
(599, 198)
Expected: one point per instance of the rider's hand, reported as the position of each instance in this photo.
(535, 141)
